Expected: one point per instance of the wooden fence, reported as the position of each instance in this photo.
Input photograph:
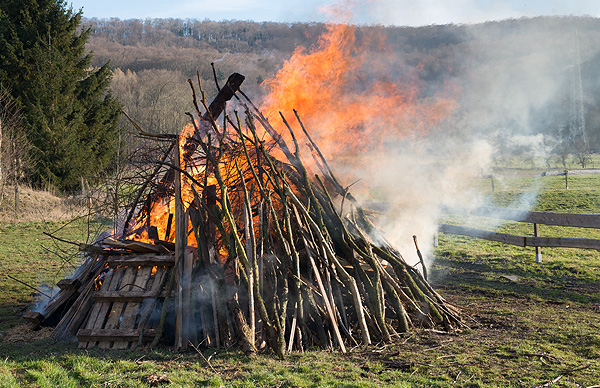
(535, 218)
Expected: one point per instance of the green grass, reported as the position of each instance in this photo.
(32, 257)
(521, 333)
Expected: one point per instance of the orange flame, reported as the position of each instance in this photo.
(350, 95)
(161, 214)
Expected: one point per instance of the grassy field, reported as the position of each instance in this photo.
(529, 324)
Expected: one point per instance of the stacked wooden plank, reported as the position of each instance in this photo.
(131, 288)
(70, 290)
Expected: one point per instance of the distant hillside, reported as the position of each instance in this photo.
(513, 76)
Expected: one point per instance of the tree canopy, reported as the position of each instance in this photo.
(70, 115)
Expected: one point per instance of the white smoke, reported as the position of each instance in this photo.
(221, 59)
(510, 81)
(414, 183)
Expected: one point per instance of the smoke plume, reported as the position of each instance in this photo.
(419, 140)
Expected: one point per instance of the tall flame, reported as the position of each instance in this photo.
(350, 95)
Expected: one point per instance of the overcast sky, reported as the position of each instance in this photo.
(395, 12)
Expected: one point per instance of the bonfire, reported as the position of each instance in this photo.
(237, 238)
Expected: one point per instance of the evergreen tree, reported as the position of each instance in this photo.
(70, 114)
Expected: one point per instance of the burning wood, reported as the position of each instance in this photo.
(264, 254)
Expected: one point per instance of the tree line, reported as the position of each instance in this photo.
(66, 77)
(230, 35)
(487, 61)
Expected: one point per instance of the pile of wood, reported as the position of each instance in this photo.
(259, 251)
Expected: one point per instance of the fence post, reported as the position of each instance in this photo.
(16, 197)
(538, 250)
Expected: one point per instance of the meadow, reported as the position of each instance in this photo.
(529, 324)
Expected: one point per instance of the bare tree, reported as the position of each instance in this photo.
(584, 158)
(14, 146)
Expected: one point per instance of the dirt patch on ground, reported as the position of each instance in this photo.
(25, 333)
(519, 338)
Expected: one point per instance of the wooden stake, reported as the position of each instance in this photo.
(293, 329)
(538, 250)
(211, 201)
(250, 253)
(213, 298)
(181, 228)
(420, 257)
(349, 281)
(16, 198)
(328, 303)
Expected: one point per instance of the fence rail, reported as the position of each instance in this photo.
(547, 218)
(535, 218)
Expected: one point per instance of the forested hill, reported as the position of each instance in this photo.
(171, 43)
(530, 62)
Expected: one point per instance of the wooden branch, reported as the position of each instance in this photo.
(30, 286)
(420, 257)
(133, 206)
(328, 303)
(225, 94)
(349, 280)
(60, 239)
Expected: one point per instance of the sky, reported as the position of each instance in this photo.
(387, 12)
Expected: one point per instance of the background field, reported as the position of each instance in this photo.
(529, 323)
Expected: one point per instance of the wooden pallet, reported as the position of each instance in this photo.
(129, 293)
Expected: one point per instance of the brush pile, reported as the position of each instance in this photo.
(266, 252)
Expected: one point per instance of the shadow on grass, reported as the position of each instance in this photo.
(48, 347)
(48, 362)
(552, 283)
(10, 315)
